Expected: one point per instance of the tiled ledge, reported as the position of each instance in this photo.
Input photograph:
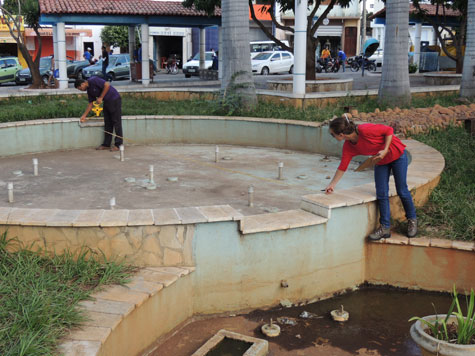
(119, 217)
(111, 307)
(423, 241)
(426, 165)
(99, 121)
(283, 220)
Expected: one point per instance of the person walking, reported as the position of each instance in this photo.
(105, 62)
(139, 53)
(99, 90)
(342, 58)
(389, 155)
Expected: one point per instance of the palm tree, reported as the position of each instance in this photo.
(394, 88)
(237, 75)
(467, 88)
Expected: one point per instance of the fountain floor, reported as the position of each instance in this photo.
(87, 179)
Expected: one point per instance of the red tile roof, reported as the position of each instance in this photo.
(119, 7)
(429, 9)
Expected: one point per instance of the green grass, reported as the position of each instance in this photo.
(450, 212)
(45, 107)
(39, 295)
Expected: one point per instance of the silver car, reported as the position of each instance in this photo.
(119, 67)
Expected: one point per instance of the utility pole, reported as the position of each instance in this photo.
(363, 37)
(363, 27)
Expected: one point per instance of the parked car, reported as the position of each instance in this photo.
(24, 76)
(119, 67)
(73, 69)
(192, 66)
(377, 56)
(9, 66)
(273, 62)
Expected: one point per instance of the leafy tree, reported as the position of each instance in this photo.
(12, 12)
(117, 36)
(441, 24)
(284, 5)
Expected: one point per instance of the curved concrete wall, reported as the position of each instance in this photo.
(240, 260)
(323, 241)
(63, 134)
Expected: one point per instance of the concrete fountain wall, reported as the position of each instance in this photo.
(237, 261)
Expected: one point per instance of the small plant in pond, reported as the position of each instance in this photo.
(463, 331)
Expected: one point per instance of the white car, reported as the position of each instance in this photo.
(192, 67)
(377, 56)
(273, 62)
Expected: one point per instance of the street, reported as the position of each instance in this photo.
(163, 80)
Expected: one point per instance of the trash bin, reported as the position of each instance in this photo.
(136, 72)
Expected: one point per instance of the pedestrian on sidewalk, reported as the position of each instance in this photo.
(105, 62)
(389, 155)
(342, 58)
(99, 90)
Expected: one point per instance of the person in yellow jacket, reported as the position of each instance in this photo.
(325, 54)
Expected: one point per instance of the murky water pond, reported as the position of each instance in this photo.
(378, 325)
(230, 347)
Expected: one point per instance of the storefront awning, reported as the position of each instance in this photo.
(48, 32)
(330, 31)
(325, 31)
(6, 38)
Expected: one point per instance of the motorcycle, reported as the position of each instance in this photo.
(356, 63)
(172, 66)
(333, 65)
(319, 65)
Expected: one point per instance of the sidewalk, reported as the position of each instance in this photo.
(370, 81)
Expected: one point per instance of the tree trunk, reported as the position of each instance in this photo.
(467, 87)
(34, 67)
(394, 88)
(237, 78)
(310, 60)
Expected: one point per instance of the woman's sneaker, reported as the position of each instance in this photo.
(411, 227)
(380, 233)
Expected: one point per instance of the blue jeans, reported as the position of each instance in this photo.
(104, 70)
(381, 178)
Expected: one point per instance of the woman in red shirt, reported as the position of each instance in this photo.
(389, 155)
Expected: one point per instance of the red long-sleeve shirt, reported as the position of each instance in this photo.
(371, 140)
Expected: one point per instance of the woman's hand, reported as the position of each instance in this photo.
(380, 156)
(329, 189)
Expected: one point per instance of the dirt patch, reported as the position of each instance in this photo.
(420, 120)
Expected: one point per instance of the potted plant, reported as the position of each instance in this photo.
(452, 334)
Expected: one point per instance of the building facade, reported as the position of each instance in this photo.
(341, 28)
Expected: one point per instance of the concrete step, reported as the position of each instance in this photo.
(111, 307)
